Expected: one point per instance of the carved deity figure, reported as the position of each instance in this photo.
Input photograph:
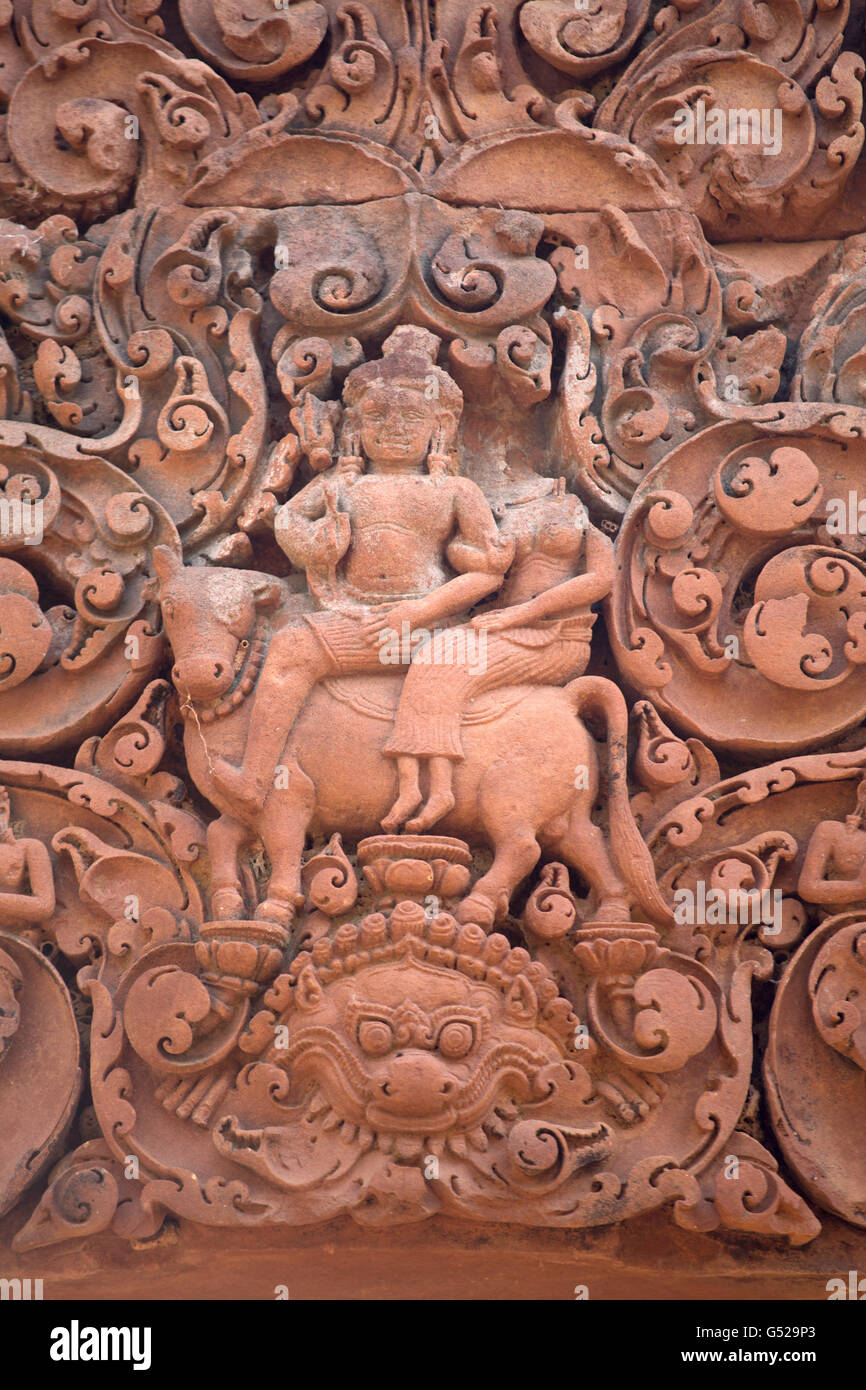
(26, 878)
(834, 866)
(389, 536)
(536, 631)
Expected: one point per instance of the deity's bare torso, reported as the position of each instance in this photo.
(401, 526)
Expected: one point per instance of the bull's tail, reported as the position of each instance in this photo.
(631, 857)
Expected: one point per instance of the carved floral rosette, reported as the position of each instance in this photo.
(737, 608)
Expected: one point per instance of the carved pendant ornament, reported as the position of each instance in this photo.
(432, 615)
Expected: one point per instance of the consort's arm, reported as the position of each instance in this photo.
(479, 554)
(477, 544)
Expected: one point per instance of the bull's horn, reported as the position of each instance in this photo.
(268, 593)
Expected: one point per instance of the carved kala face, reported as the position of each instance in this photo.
(397, 426)
(410, 1048)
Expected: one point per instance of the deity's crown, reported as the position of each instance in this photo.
(408, 359)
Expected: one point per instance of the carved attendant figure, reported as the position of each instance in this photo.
(834, 866)
(537, 633)
(26, 878)
(404, 541)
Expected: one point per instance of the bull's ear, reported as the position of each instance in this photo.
(166, 563)
(268, 593)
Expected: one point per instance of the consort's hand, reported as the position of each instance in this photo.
(499, 619)
(387, 618)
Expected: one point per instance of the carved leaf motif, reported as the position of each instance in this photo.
(253, 39)
(769, 496)
(580, 43)
(674, 1019)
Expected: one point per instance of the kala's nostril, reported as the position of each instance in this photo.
(218, 669)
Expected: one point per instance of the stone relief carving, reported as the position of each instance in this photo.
(432, 614)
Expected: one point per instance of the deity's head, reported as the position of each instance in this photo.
(402, 403)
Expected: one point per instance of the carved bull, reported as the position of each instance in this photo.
(516, 788)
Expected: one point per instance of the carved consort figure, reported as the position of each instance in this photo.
(536, 632)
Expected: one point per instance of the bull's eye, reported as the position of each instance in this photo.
(375, 1037)
(168, 608)
(456, 1039)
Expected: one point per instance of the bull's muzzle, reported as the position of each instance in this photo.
(202, 677)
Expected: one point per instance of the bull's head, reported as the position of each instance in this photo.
(209, 617)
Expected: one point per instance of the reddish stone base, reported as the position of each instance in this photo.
(649, 1258)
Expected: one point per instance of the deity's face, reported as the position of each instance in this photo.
(397, 426)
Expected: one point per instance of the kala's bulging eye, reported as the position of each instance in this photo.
(375, 1037)
(456, 1039)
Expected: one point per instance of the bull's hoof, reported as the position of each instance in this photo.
(279, 911)
(227, 905)
(613, 910)
(478, 910)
